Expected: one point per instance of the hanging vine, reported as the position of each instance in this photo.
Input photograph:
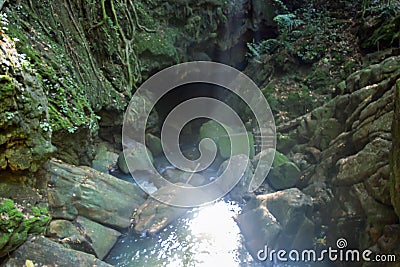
(128, 54)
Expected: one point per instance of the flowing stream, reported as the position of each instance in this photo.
(205, 236)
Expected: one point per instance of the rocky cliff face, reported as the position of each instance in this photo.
(344, 150)
(89, 59)
(25, 137)
(395, 155)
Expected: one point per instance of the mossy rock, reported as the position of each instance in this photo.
(284, 176)
(154, 144)
(139, 160)
(225, 146)
(285, 142)
(24, 119)
(17, 222)
(219, 135)
(279, 159)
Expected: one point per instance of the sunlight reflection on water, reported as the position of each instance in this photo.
(207, 236)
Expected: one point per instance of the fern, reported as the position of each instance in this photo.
(287, 22)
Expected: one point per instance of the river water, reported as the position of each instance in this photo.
(205, 236)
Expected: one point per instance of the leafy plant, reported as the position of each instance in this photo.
(287, 22)
(256, 49)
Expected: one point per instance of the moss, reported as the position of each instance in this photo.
(68, 106)
(17, 222)
(160, 43)
(6, 84)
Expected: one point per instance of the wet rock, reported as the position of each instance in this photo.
(101, 238)
(279, 220)
(104, 160)
(154, 144)
(139, 158)
(84, 235)
(178, 176)
(97, 196)
(241, 189)
(44, 252)
(289, 207)
(259, 228)
(153, 216)
(65, 232)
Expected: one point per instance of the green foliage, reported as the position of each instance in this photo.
(16, 222)
(272, 98)
(287, 22)
(143, 14)
(301, 101)
(301, 35)
(387, 34)
(263, 47)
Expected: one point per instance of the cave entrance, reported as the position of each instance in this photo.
(182, 93)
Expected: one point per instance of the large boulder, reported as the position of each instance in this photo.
(97, 196)
(153, 216)
(219, 135)
(278, 220)
(84, 235)
(284, 173)
(154, 144)
(137, 157)
(357, 134)
(284, 176)
(44, 252)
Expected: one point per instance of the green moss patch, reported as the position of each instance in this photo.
(17, 222)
